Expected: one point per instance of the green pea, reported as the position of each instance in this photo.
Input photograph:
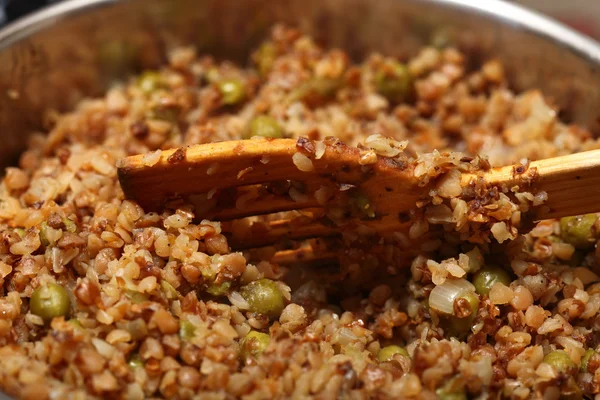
(442, 395)
(50, 301)
(70, 226)
(579, 231)
(76, 324)
(586, 359)
(218, 290)
(169, 114)
(394, 82)
(473, 302)
(325, 87)
(265, 57)
(253, 344)
(264, 126)
(459, 325)
(43, 231)
(485, 278)
(186, 330)
(388, 352)
(137, 297)
(264, 297)
(136, 362)
(452, 390)
(232, 91)
(151, 81)
(554, 239)
(560, 361)
(168, 290)
(316, 90)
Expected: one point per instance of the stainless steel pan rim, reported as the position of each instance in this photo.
(531, 20)
(45, 17)
(511, 14)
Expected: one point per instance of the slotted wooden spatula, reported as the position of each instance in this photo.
(268, 176)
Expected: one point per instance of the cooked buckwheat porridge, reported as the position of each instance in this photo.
(103, 299)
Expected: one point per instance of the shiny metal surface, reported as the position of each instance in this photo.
(75, 48)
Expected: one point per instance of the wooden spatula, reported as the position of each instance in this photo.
(239, 179)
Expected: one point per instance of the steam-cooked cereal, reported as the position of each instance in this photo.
(102, 299)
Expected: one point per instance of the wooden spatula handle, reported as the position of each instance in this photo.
(572, 183)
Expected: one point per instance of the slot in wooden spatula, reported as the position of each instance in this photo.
(267, 177)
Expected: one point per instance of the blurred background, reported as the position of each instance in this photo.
(584, 15)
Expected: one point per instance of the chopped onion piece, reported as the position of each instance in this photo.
(442, 296)
(237, 300)
(319, 149)
(302, 162)
(385, 146)
(102, 347)
(152, 158)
